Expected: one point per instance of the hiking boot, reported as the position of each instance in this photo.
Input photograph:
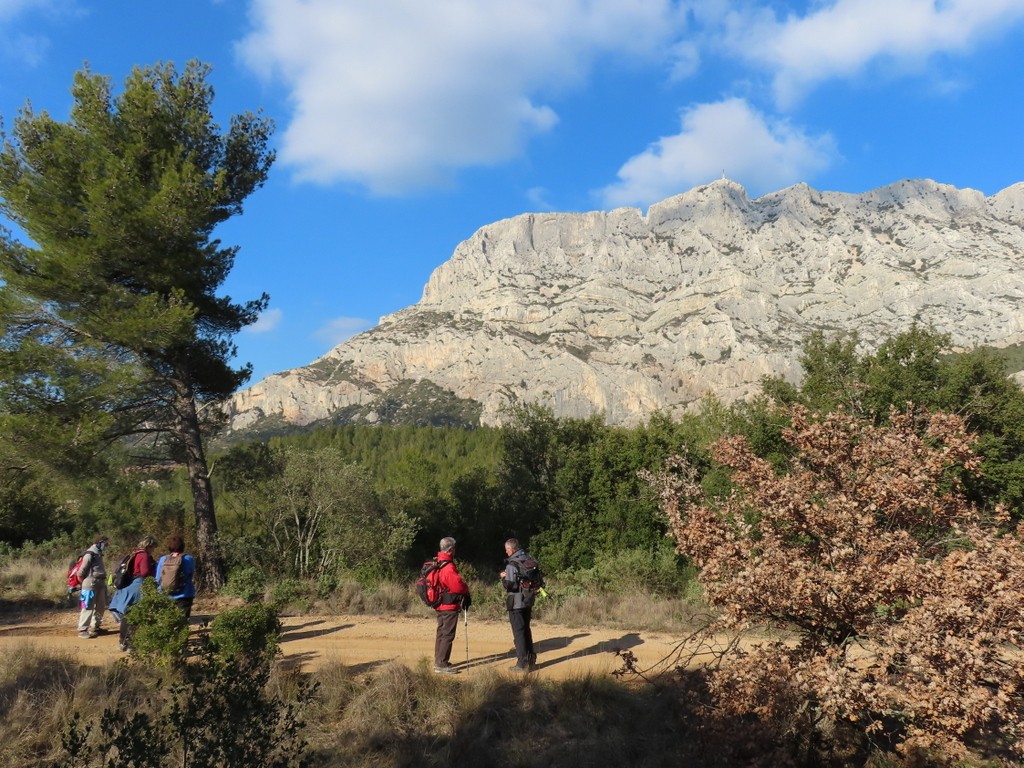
(446, 670)
(86, 635)
(520, 668)
(122, 647)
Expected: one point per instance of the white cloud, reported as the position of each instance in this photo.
(538, 197)
(11, 8)
(728, 136)
(398, 94)
(841, 38)
(268, 320)
(30, 48)
(341, 329)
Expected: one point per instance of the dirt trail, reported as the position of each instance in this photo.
(364, 642)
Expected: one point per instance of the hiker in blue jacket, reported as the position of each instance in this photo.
(519, 603)
(181, 590)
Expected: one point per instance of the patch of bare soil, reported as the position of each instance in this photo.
(365, 642)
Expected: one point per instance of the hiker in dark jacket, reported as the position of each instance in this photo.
(184, 596)
(455, 596)
(519, 603)
(143, 566)
(93, 598)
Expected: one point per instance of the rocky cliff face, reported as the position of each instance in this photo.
(625, 314)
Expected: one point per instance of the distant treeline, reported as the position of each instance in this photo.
(371, 502)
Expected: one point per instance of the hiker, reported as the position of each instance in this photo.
(93, 598)
(142, 566)
(454, 596)
(175, 574)
(519, 603)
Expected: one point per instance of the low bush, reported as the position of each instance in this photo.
(248, 631)
(160, 629)
(292, 594)
(247, 582)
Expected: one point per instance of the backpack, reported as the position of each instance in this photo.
(428, 585)
(74, 582)
(530, 575)
(122, 575)
(172, 574)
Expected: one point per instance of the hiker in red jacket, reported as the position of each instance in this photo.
(455, 596)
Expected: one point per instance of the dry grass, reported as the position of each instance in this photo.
(39, 693)
(389, 717)
(634, 612)
(29, 582)
(402, 717)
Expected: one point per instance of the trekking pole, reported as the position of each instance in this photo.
(465, 616)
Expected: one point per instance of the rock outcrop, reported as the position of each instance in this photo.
(625, 314)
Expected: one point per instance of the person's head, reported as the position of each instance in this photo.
(175, 544)
(100, 542)
(511, 546)
(147, 543)
(447, 544)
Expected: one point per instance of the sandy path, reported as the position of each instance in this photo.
(364, 642)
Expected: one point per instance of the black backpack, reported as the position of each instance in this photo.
(122, 575)
(531, 578)
(428, 585)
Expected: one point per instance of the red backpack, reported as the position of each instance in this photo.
(428, 585)
(73, 581)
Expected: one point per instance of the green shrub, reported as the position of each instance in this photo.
(160, 627)
(248, 582)
(633, 571)
(250, 631)
(292, 592)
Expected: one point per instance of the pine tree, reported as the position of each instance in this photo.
(108, 308)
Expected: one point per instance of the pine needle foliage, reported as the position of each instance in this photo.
(109, 314)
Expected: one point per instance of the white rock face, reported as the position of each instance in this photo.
(625, 314)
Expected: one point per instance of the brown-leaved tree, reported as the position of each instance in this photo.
(901, 604)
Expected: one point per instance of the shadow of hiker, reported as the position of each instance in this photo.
(556, 643)
(630, 640)
(540, 646)
(481, 661)
(291, 635)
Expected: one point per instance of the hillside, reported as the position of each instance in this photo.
(625, 314)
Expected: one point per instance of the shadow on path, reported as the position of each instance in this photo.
(630, 640)
(290, 634)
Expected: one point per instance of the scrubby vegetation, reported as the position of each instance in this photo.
(867, 517)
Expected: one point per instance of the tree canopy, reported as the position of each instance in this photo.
(110, 317)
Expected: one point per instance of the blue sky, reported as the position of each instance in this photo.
(403, 126)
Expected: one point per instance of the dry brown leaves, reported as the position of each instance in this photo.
(906, 601)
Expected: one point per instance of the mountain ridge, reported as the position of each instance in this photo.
(626, 313)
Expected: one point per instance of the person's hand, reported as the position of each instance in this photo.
(501, 575)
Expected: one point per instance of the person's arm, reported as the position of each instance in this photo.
(85, 567)
(510, 577)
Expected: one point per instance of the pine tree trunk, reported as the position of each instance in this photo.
(209, 562)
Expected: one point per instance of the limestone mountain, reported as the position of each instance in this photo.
(624, 314)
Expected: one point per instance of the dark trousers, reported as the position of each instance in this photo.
(125, 633)
(185, 603)
(447, 622)
(522, 635)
